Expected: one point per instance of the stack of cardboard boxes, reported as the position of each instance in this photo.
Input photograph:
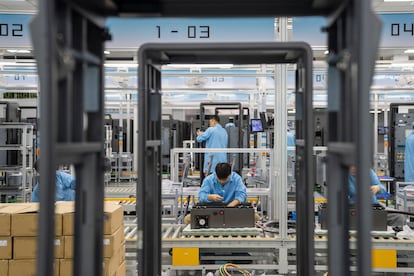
(18, 239)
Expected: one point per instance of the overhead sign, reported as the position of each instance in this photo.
(131, 33)
(397, 30)
(14, 30)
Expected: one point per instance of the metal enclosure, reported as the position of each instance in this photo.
(68, 38)
(151, 57)
(401, 118)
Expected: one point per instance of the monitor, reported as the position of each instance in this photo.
(256, 125)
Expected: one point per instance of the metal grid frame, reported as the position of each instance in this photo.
(68, 52)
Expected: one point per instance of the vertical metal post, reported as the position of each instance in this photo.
(44, 37)
(305, 176)
(71, 81)
(353, 39)
(149, 168)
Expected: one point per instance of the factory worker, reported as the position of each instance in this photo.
(215, 137)
(223, 186)
(290, 140)
(376, 187)
(65, 186)
(409, 157)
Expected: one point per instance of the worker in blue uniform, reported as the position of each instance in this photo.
(290, 140)
(65, 186)
(215, 136)
(409, 157)
(223, 186)
(393, 219)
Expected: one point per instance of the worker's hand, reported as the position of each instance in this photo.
(215, 197)
(199, 132)
(375, 189)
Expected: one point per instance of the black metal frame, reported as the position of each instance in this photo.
(64, 56)
(151, 56)
(69, 49)
(354, 33)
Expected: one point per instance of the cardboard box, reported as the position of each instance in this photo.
(121, 270)
(6, 209)
(26, 247)
(28, 267)
(5, 248)
(111, 243)
(4, 267)
(110, 266)
(113, 217)
(24, 220)
(121, 253)
(65, 267)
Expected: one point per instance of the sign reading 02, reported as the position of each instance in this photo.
(11, 29)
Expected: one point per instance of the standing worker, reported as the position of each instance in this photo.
(215, 137)
(290, 140)
(409, 157)
(65, 186)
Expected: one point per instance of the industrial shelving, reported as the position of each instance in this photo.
(18, 179)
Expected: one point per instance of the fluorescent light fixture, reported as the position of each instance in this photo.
(398, 0)
(402, 64)
(221, 66)
(122, 65)
(20, 63)
(106, 52)
(22, 51)
(409, 51)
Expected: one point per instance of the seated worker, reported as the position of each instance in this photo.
(393, 219)
(65, 186)
(222, 186)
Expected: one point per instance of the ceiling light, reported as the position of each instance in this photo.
(106, 52)
(122, 65)
(409, 51)
(326, 52)
(17, 63)
(401, 64)
(222, 66)
(22, 51)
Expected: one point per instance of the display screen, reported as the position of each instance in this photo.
(256, 125)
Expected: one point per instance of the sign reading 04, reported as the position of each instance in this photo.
(11, 29)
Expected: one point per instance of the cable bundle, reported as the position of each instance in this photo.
(223, 270)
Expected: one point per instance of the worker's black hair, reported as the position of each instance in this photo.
(215, 117)
(223, 170)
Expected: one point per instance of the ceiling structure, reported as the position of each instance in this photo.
(380, 6)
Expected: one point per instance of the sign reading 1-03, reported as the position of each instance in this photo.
(191, 31)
